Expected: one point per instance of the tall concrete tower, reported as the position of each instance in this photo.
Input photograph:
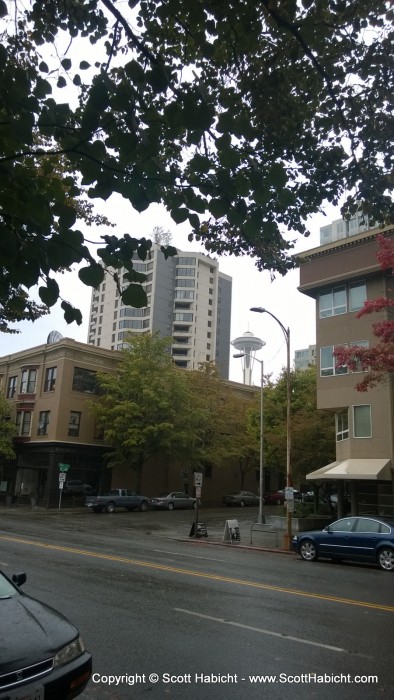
(248, 344)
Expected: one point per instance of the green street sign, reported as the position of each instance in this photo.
(63, 467)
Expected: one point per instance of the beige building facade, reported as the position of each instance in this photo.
(50, 389)
(341, 276)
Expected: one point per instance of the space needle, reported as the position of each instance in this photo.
(247, 345)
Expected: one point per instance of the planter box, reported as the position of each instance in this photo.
(298, 524)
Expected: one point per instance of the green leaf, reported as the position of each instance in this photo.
(84, 65)
(92, 276)
(179, 215)
(66, 63)
(49, 294)
(134, 295)
(71, 313)
(218, 207)
(135, 71)
(61, 83)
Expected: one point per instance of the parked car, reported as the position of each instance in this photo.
(42, 654)
(241, 498)
(274, 498)
(117, 498)
(362, 539)
(76, 487)
(171, 500)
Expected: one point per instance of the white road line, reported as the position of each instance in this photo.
(261, 631)
(191, 556)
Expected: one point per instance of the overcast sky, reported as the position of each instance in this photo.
(250, 288)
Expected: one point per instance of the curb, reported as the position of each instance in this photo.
(250, 547)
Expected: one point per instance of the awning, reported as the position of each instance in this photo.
(363, 469)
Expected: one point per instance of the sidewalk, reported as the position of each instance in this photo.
(252, 536)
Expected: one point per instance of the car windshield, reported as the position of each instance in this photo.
(162, 495)
(7, 590)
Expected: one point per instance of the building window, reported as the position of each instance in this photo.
(131, 324)
(357, 296)
(185, 272)
(332, 302)
(23, 422)
(28, 381)
(11, 388)
(50, 379)
(362, 344)
(342, 426)
(327, 363)
(183, 317)
(85, 380)
(184, 294)
(184, 283)
(43, 423)
(98, 432)
(362, 423)
(186, 261)
(74, 423)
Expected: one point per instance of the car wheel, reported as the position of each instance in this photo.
(242, 504)
(143, 507)
(195, 505)
(170, 506)
(308, 550)
(97, 510)
(386, 559)
(110, 507)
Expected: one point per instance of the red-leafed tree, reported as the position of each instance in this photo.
(377, 361)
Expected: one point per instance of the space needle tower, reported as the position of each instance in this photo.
(247, 344)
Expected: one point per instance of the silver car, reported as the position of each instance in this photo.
(171, 500)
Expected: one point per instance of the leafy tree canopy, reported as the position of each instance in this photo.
(241, 117)
(7, 430)
(142, 405)
(312, 431)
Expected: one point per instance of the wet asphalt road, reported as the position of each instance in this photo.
(206, 619)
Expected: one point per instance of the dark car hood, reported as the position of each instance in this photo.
(30, 632)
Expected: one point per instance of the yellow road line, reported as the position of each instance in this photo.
(198, 574)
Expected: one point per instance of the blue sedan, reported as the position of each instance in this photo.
(358, 539)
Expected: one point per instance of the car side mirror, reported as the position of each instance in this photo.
(326, 529)
(19, 579)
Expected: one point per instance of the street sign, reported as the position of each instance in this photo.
(198, 491)
(61, 484)
(63, 467)
(197, 479)
(289, 493)
(62, 476)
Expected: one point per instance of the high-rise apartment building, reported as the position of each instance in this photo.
(305, 358)
(343, 228)
(189, 299)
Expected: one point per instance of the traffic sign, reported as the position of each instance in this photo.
(61, 484)
(63, 467)
(197, 478)
(62, 476)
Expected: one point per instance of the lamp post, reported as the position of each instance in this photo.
(260, 517)
(289, 480)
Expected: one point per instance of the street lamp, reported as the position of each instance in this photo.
(260, 517)
(289, 480)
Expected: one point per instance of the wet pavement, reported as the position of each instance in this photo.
(227, 527)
